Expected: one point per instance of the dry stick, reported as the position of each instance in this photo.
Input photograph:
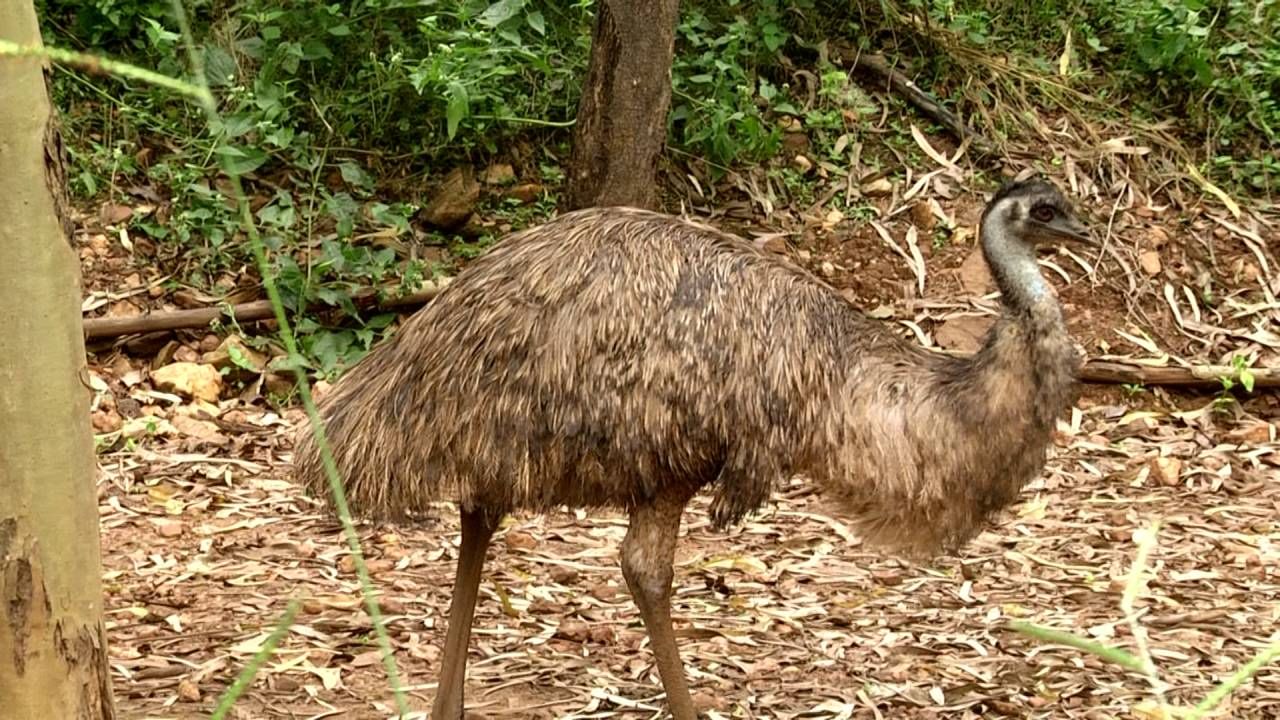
(97, 328)
(1102, 372)
(926, 103)
(1108, 372)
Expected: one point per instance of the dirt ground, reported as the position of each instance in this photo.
(205, 541)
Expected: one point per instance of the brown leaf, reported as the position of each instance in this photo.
(196, 428)
(112, 214)
(574, 630)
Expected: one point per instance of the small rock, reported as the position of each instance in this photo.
(209, 343)
(1166, 470)
(1150, 262)
(517, 540)
(201, 382)
(525, 192)
(563, 575)
(454, 200)
(974, 275)
(186, 354)
(188, 691)
(169, 528)
(827, 269)
(802, 164)
(877, 187)
(499, 174)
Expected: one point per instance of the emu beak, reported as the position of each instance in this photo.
(1071, 230)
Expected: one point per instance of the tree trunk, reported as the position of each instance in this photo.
(622, 117)
(53, 652)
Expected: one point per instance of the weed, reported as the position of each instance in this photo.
(1133, 389)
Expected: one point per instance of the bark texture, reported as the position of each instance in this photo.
(53, 653)
(622, 117)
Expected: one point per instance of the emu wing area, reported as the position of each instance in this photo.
(594, 360)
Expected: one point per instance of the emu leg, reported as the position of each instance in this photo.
(647, 556)
(477, 529)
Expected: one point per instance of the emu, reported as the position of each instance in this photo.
(614, 357)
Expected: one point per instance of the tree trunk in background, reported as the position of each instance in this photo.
(622, 117)
(53, 653)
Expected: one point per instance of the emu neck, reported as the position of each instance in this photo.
(1028, 357)
(1013, 266)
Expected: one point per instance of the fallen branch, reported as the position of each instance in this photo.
(1102, 372)
(902, 85)
(98, 328)
(1115, 373)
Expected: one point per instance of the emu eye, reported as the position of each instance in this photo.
(1043, 213)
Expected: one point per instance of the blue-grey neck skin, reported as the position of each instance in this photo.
(1013, 262)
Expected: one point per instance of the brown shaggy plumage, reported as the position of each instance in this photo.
(617, 357)
(611, 354)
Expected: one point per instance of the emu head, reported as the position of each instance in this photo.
(1036, 213)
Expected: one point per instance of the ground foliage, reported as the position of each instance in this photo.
(786, 616)
(346, 118)
(772, 136)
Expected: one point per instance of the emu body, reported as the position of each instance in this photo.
(621, 358)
